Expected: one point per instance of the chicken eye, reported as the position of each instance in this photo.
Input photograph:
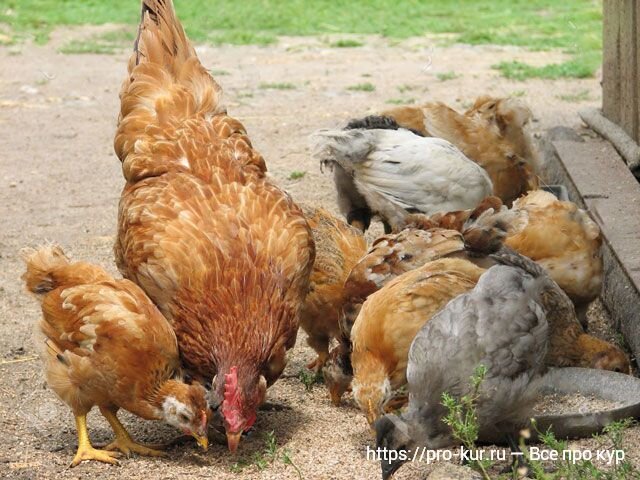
(617, 370)
(184, 417)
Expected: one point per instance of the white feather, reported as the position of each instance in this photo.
(396, 170)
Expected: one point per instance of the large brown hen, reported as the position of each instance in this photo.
(222, 251)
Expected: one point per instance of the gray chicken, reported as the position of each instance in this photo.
(499, 324)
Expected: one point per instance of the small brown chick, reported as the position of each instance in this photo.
(108, 345)
(389, 320)
(565, 241)
(338, 248)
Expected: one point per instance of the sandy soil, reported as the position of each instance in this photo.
(60, 181)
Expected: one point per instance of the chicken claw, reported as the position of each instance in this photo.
(124, 442)
(127, 445)
(85, 450)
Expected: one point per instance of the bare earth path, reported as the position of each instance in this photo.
(60, 181)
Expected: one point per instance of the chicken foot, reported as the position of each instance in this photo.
(124, 442)
(85, 449)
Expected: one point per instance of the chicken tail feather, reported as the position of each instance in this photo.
(166, 85)
(41, 265)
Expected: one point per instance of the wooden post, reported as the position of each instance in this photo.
(621, 65)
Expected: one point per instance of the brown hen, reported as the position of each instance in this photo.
(338, 248)
(106, 344)
(565, 241)
(222, 251)
(492, 133)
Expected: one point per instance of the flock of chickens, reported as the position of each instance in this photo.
(477, 267)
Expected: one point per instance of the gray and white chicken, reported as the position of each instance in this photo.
(501, 325)
(382, 169)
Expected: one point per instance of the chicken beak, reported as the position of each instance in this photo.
(233, 439)
(202, 440)
(336, 395)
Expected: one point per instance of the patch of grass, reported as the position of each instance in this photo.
(266, 456)
(297, 175)
(573, 26)
(405, 88)
(401, 101)
(518, 93)
(240, 37)
(309, 378)
(580, 67)
(366, 75)
(286, 459)
(347, 43)
(463, 420)
(218, 72)
(575, 97)
(105, 44)
(362, 87)
(611, 439)
(277, 86)
(443, 77)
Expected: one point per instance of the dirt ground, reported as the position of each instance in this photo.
(60, 181)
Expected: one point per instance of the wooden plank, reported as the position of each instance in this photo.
(611, 60)
(615, 204)
(628, 67)
(637, 37)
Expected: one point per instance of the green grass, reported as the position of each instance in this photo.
(401, 101)
(573, 26)
(347, 43)
(297, 175)
(261, 459)
(582, 96)
(581, 66)
(309, 378)
(406, 88)
(362, 87)
(107, 43)
(277, 86)
(443, 77)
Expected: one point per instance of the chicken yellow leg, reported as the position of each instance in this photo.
(123, 441)
(85, 450)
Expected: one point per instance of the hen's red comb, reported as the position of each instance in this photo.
(230, 404)
(231, 384)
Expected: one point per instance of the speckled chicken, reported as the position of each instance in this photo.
(221, 250)
(492, 133)
(389, 320)
(501, 325)
(556, 234)
(338, 248)
(106, 345)
(381, 169)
